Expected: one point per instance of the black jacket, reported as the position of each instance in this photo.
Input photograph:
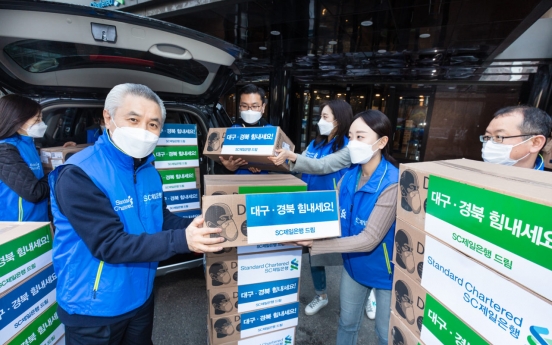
(17, 175)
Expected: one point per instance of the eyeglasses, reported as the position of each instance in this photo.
(499, 139)
(245, 107)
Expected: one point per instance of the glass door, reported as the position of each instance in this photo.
(411, 127)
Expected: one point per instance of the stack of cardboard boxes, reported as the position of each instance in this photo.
(177, 159)
(472, 248)
(52, 157)
(253, 290)
(28, 308)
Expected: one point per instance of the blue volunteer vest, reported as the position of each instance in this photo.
(323, 182)
(539, 163)
(373, 269)
(86, 285)
(15, 208)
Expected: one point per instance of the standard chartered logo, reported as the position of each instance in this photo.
(536, 337)
(294, 265)
(124, 204)
(288, 340)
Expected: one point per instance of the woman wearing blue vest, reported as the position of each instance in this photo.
(333, 128)
(23, 187)
(367, 200)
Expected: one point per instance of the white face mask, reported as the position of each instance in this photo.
(135, 142)
(500, 153)
(325, 127)
(250, 116)
(37, 130)
(360, 152)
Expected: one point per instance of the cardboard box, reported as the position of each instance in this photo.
(22, 305)
(500, 310)
(441, 326)
(178, 179)
(272, 218)
(231, 328)
(408, 254)
(282, 337)
(494, 214)
(189, 214)
(25, 248)
(182, 200)
(176, 134)
(252, 184)
(547, 154)
(253, 144)
(45, 329)
(232, 252)
(242, 298)
(171, 157)
(408, 302)
(52, 157)
(399, 333)
(253, 268)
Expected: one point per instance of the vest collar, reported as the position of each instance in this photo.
(117, 156)
(539, 163)
(376, 180)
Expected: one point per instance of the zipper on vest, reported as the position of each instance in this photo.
(20, 205)
(98, 275)
(134, 176)
(387, 262)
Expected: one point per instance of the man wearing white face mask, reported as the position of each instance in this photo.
(23, 187)
(252, 106)
(112, 226)
(515, 137)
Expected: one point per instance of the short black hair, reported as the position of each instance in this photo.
(251, 88)
(535, 121)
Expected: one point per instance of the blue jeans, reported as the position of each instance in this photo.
(318, 278)
(353, 298)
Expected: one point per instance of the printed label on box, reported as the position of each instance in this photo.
(499, 310)
(182, 200)
(269, 320)
(264, 295)
(45, 329)
(266, 267)
(315, 214)
(440, 326)
(508, 234)
(251, 140)
(282, 337)
(190, 214)
(178, 179)
(20, 306)
(167, 157)
(260, 248)
(174, 134)
(23, 256)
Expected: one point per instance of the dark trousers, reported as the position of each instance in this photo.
(132, 331)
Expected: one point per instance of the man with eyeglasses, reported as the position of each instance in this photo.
(515, 136)
(252, 106)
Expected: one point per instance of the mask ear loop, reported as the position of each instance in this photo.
(528, 153)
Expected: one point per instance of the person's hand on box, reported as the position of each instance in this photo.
(254, 170)
(283, 155)
(198, 240)
(69, 144)
(232, 164)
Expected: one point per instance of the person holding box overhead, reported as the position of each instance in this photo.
(368, 201)
(23, 186)
(113, 226)
(252, 106)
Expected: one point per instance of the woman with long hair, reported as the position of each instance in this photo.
(23, 186)
(367, 200)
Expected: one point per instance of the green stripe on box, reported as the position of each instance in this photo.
(446, 326)
(178, 176)
(19, 251)
(529, 213)
(175, 153)
(46, 323)
(270, 189)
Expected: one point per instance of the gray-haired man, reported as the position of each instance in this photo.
(112, 226)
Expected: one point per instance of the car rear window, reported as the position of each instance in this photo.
(38, 56)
